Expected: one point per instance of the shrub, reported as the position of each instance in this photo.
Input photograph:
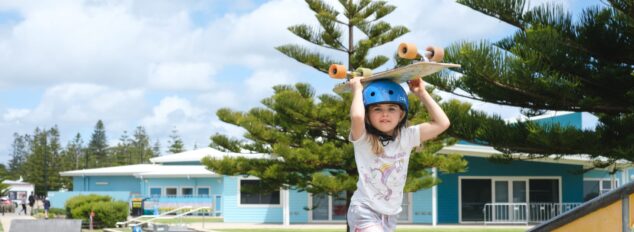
(107, 212)
(75, 205)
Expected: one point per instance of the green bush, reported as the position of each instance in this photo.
(75, 205)
(107, 212)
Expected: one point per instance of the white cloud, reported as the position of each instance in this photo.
(171, 109)
(181, 76)
(15, 114)
(116, 60)
(221, 98)
(260, 83)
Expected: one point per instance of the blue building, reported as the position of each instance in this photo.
(523, 190)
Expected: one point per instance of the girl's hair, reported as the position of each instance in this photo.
(374, 135)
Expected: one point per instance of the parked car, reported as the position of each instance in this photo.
(6, 206)
(5, 201)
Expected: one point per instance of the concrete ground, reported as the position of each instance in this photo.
(8, 217)
(212, 227)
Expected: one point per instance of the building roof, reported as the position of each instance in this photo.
(16, 182)
(199, 154)
(487, 151)
(145, 170)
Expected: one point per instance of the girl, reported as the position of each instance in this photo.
(382, 145)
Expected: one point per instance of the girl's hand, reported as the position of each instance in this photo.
(355, 83)
(417, 86)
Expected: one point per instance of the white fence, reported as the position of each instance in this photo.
(524, 213)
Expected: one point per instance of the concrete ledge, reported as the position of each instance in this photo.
(26, 225)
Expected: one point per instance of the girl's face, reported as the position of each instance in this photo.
(385, 117)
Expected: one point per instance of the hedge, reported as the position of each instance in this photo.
(107, 212)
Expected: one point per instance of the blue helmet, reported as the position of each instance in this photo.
(385, 91)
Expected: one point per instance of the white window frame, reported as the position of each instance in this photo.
(239, 196)
(601, 192)
(503, 178)
(149, 190)
(203, 187)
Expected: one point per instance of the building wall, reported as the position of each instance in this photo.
(297, 203)
(58, 199)
(254, 214)
(214, 183)
(573, 119)
(571, 181)
(604, 174)
(107, 183)
(422, 207)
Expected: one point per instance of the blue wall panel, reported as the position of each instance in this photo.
(571, 181)
(297, 202)
(107, 183)
(253, 214)
(573, 120)
(422, 210)
(58, 199)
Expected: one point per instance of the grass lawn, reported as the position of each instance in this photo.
(397, 230)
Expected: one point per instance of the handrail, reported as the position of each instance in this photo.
(136, 219)
(171, 217)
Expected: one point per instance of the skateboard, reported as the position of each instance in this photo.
(425, 63)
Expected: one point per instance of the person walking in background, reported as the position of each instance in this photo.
(47, 205)
(31, 202)
(23, 204)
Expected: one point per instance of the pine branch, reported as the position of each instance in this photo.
(509, 11)
(312, 59)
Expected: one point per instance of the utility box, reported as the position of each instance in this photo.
(137, 207)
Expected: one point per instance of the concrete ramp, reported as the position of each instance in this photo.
(26, 225)
(613, 211)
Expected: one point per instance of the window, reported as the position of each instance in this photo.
(254, 197)
(155, 192)
(595, 187)
(170, 192)
(187, 191)
(203, 192)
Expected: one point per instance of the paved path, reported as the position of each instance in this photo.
(8, 217)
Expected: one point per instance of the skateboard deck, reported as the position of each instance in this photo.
(401, 74)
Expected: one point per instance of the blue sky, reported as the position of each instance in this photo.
(171, 64)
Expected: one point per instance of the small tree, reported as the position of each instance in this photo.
(175, 144)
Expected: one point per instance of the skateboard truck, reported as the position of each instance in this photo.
(339, 71)
(431, 53)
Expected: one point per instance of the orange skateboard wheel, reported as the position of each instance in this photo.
(437, 53)
(337, 71)
(407, 51)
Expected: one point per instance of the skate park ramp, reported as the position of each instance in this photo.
(27, 225)
(613, 211)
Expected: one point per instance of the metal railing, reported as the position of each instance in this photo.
(524, 213)
(166, 203)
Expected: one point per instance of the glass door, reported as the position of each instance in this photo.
(475, 193)
(502, 209)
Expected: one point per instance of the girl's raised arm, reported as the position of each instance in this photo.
(439, 121)
(357, 110)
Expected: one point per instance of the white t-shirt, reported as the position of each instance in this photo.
(382, 177)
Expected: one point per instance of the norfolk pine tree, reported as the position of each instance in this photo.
(175, 144)
(308, 137)
(551, 62)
